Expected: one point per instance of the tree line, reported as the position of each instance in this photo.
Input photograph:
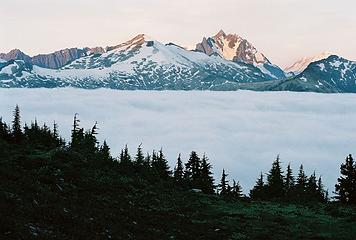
(195, 174)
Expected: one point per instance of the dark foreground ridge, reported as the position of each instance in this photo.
(50, 189)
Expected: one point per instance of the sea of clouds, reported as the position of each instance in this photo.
(240, 131)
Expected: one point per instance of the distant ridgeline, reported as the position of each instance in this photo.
(58, 189)
(224, 62)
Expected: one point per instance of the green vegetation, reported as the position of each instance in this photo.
(50, 189)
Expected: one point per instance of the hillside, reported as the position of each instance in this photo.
(53, 190)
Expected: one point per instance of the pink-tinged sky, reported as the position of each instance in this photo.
(284, 30)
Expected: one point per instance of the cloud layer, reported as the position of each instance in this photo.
(240, 131)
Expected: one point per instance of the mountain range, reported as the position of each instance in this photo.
(220, 62)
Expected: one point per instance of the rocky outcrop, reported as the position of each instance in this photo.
(58, 59)
(15, 54)
(232, 47)
(54, 60)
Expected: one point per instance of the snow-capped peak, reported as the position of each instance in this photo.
(234, 48)
(300, 65)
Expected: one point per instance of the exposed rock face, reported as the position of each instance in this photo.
(232, 47)
(58, 59)
(15, 54)
(54, 60)
(206, 46)
(248, 54)
(95, 50)
(134, 43)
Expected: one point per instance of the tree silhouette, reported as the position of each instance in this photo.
(289, 183)
(301, 184)
(312, 188)
(224, 184)
(125, 160)
(258, 191)
(160, 166)
(4, 131)
(206, 178)
(236, 191)
(178, 170)
(345, 188)
(192, 171)
(139, 159)
(275, 183)
(16, 125)
(105, 151)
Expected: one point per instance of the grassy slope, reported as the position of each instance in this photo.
(61, 195)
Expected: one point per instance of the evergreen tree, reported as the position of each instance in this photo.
(4, 131)
(206, 178)
(289, 181)
(125, 159)
(16, 125)
(312, 188)
(345, 189)
(178, 170)
(139, 159)
(160, 166)
(236, 190)
(192, 171)
(55, 130)
(147, 161)
(154, 159)
(88, 144)
(224, 184)
(321, 193)
(105, 151)
(258, 192)
(301, 185)
(94, 129)
(275, 183)
(77, 133)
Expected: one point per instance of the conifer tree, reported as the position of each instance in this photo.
(105, 151)
(236, 190)
(301, 184)
(258, 191)
(160, 166)
(345, 188)
(289, 180)
(154, 158)
(147, 161)
(206, 178)
(321, 193)
(55, 130)
(139, 159)
(16, 125)
(4, 131)
(125, 159)
(77, 133)
(275, 183)
(312, 188)
(224, 184)
(89, 143)
(178, 170)
(192, 171)
(94, 129)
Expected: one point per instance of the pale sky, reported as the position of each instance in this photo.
(284, 30)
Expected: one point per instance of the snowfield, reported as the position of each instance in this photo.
(241, 131)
